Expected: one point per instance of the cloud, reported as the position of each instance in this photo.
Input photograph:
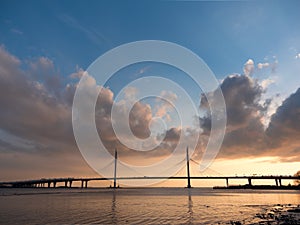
(130, 93)
(89, 32)
(274, 66)
(44, 71)
(285, 122)
(35, 120)
(141, 71)
(244, 131)
(36, 123)
(241, 94)
(165, 104)
(247, 133)
(249, 67)
(78, 74)
(297, 56)
(29, 105)
(16, 31)
(263, 65)
(267, 82)
(284, 129)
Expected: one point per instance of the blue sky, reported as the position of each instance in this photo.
(259, 39)
(225, 34)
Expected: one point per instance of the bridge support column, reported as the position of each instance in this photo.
(66, 184)
(249, 181)
(276, 181)
(86, 184)
(82, 183)
(280, 182)
(70, 183)
(227, 182)
(54, 184)
(49, 184)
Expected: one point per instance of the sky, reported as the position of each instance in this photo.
(252, 47)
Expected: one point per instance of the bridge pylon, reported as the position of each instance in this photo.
(115, 171)
(188, 168)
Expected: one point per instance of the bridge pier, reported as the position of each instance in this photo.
(280, 182)
(54, 184)
(276, 181)
(68, 183)
(227, 182)
(84, 183)
(249, 181)
(49, 184)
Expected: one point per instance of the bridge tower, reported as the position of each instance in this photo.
(115, 172)
(188, 168)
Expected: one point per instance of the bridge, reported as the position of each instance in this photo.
(67, 182)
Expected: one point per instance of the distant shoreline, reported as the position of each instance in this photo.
(259, 187)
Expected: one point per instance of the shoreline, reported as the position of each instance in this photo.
(274, 215)
(258, 187)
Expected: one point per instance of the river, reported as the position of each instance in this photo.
(143, 206)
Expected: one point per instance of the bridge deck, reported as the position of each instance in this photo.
(70, 179)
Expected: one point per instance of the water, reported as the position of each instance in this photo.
(138, 206)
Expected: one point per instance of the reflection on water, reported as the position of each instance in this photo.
(113, 208)
(137, 206)
(190, 207)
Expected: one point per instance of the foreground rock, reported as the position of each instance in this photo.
(274, 215)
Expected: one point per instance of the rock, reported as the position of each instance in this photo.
(296, 210)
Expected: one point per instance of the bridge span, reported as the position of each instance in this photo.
(67, 182)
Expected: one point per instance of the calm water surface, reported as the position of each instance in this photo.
(137, 206)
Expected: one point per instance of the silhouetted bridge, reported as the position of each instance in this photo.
(67, 182)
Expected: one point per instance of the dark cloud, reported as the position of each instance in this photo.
(35, 111)
(284, 128)
(241, 95)
(246, 135)
(245, 132)
(285, 123)
(29, 109)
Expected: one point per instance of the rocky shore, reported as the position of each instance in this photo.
(274, 215)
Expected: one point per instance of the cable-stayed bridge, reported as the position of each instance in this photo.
(67, 182)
